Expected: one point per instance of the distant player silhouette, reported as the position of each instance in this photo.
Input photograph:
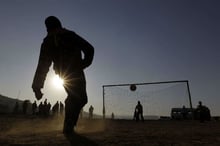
(138, 112)
(70, 55)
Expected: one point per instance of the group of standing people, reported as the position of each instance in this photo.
(42, 110)
(24, 107)
(45, 108)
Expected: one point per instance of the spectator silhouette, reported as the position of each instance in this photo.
(91, 112)
(203, 112)
(113, 116)
(64, 48)
(45, 108)
(25, 106)
(41, 109)
(61, 108)
(55, 109)
(34, 108)
(184, 112)
(45, 102)
(16, 107)
(48, 108)
(138, 112)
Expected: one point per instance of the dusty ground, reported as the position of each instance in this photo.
(33, 131)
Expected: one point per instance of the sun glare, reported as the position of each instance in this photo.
(58, 82)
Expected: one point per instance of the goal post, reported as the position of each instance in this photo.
(132, 87)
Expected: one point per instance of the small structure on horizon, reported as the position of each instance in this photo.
(182, 113)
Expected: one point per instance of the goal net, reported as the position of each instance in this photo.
(157, 99)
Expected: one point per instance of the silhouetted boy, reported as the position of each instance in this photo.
(64, 49)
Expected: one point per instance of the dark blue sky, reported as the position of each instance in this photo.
(134, 40)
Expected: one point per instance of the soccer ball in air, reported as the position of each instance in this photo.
(133, 87)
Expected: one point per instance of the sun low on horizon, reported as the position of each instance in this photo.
(57, 82)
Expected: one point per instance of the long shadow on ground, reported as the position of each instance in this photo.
(79, 140)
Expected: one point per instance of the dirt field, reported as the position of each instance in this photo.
(34, 131)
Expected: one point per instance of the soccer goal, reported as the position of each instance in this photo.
(157, 99)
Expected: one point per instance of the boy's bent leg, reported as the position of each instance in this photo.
(76, 99)
(68, 119)
(72, 111)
